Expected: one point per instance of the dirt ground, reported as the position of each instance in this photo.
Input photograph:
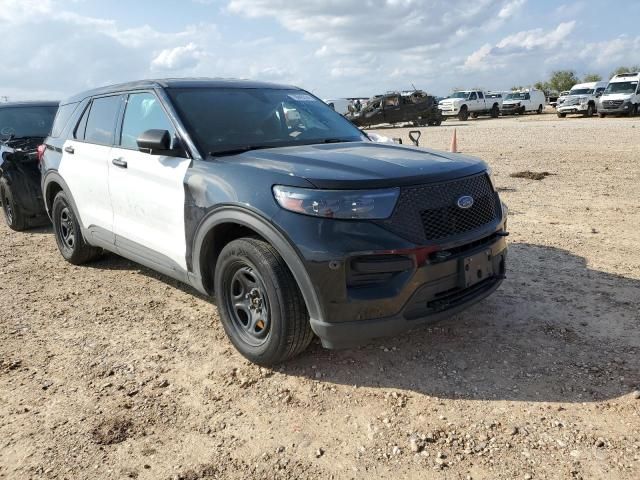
(111, 371)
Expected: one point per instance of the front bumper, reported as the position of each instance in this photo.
(578, 108)
(608, 108)
(443, 295)
(449, 110)
(360, 301)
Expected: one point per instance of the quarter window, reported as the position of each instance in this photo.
(143, 113)
(102, 120)
(481, 95)
(473, 96)
(62, 117)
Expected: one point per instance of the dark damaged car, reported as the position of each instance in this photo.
(263, 197)
(23, 128)
(416, 108)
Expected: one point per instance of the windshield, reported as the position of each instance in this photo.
(32, 121)
(225, 119)
(621, 87)
(517, 96)
(581, 91)
(460, 95)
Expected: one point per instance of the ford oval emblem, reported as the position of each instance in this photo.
(465, 202)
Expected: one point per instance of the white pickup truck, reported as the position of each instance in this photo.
(470, 102)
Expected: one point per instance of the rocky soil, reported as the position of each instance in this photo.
(111, 371)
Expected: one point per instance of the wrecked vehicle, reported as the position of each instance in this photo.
(415, 107)
(295, 222)
(23, 128)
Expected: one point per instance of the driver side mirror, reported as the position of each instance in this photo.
(158, 142)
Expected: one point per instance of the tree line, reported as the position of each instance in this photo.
(562, 80)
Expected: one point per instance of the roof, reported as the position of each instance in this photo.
(626, 76)
(176, 83)
(589, 85)
(33, 103)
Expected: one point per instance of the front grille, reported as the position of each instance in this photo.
(612, 103)
(429, 213)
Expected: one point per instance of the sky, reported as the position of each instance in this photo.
(333, 48)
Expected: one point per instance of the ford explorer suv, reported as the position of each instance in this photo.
(265, 198)
(622, 96)
(582, 99)
(23, 128)
(470, 102)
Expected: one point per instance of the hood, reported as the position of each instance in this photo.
(616, 96)
(452, 100)
(361, 164)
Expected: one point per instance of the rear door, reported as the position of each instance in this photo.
(85, 165)
(147, 191)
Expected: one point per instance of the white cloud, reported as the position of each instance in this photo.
(525, 43)
(178, 58)
(511, 8)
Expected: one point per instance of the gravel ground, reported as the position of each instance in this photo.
(111, 371)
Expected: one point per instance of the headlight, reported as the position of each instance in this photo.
(583, 100)
(343, 204)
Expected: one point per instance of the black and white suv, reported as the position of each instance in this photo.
(264, 196)
(23, 128)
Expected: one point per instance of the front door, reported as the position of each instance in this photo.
(147, 191)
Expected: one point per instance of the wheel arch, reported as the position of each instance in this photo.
(228, 223)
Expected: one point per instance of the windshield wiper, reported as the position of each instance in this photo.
(237, 150)
(337, 140)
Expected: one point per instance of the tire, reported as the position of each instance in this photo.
(590, 111)
(633, 111)
(523, 110)
(260, 304)
(13, 214)
(540, 109)
(463, 115)
(68, 233)
(435, 123)
(474, 115)
(602, 115)
(495, 111)
(562, 115)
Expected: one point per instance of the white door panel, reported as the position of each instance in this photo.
(148, 201)
(86, 172)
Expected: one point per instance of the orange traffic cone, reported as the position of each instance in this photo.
(454, 142)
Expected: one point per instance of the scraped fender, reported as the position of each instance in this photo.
(268, 231)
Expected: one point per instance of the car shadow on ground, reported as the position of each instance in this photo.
(556, 331)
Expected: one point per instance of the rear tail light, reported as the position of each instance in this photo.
(40, 152)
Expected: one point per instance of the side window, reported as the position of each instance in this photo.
(78, 133)
(527, 96)
(143, 112)
(102, 120)
(62, 117)
(473, 96)
(481, 95)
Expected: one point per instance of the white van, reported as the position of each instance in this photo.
(523, 101)
(622, 95)
(582, 98)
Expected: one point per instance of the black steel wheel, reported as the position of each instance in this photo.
(260, 305)
(590, 111)
(68, 233)
(13, 215)
(247, 303)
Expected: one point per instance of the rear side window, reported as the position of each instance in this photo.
(62, 118)
(481, 95)
(102, 120)
(143, 112)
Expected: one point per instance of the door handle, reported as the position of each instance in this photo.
(118, 162)
(69, 150)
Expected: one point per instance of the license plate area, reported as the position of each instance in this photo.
(477, 268)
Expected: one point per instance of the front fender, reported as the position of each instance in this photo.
(270, 232)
